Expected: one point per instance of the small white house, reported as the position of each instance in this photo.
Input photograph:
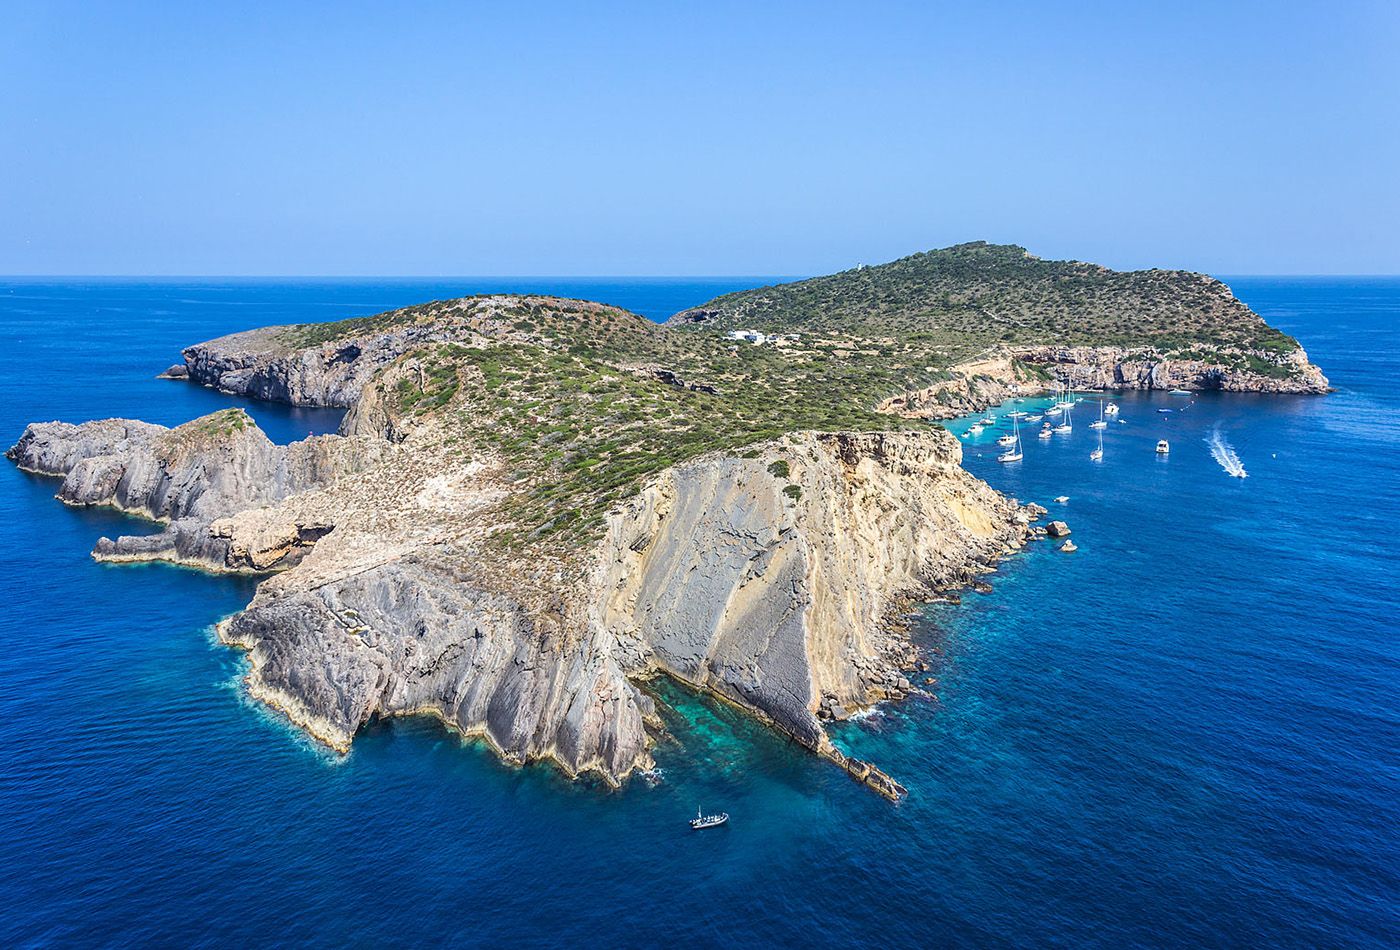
(753, 336)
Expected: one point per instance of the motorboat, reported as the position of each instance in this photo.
(1163, 447)
(1111, 409)
(708, 821)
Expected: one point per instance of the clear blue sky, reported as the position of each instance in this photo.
(706, 138)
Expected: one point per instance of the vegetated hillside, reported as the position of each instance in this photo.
(978, 294)
(584, 401)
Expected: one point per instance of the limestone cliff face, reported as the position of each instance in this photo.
(422, 634)
(769, 579)
(261, 364)
(1106, 367)
(185, 477)
(991, 380)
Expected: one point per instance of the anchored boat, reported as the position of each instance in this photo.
(708, 821)
(1163, 447)
(1100, 422)
(1014, 454)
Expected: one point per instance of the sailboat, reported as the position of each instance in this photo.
(1066, 397)
(1015, 454)
(1097, 454)
(1067, 425)
(1099, 423)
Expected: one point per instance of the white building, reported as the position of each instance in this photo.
(753, 336)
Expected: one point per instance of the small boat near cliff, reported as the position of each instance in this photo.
(701, 821)
(1111, 409)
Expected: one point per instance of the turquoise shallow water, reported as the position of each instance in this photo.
(1185, 733)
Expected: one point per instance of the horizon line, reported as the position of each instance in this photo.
(1315, 274)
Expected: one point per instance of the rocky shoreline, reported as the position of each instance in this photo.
(980, 384)
(772, 594)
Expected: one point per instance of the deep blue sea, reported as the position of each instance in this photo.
(1186, 733)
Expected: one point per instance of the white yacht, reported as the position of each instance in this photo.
(1007, 440)
(1045, 431)
(1111, 409)
(1163, 447)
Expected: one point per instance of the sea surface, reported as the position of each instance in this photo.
(1186, 733)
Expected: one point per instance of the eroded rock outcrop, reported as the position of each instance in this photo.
(267, 364)
(186, 478)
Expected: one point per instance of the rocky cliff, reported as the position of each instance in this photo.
(1232, 369)
(1003, 373)
(185, 478)
(766, 579)
(264, 365)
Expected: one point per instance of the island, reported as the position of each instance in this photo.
(535, 506)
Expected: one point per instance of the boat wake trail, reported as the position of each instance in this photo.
(1223, 452)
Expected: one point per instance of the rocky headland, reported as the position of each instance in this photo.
(535, 506)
